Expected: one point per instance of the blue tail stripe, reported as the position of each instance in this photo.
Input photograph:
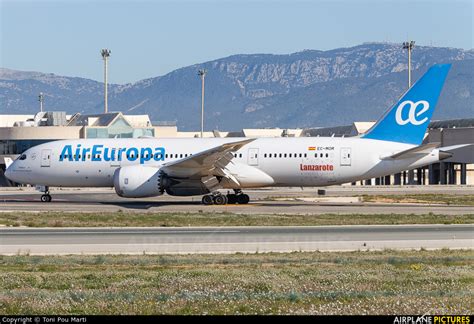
(407, 120)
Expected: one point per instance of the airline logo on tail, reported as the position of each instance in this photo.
(407, 121)
(412, 112)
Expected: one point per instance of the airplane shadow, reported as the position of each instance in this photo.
(149, 204)
(145, 205)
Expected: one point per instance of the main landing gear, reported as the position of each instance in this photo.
(216, 198)
(46, 197)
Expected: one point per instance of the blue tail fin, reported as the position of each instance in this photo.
(406, 122)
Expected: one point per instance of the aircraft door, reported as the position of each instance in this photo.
(253, 156)
(345, 156)
(46, 158)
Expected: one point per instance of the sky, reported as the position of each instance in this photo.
(151, 38)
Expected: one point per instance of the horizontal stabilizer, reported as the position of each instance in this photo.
(454, 147)
(413, 152)
(446, 152)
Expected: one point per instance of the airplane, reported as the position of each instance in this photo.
(148, 167)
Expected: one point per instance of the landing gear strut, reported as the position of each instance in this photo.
(46, 197)
(219, 199)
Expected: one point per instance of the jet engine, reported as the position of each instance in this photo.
(137, 181)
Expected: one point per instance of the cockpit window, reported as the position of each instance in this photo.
(22, 157)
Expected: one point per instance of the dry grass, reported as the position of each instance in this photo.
(63, 219)
(386, 282)
(460, 200)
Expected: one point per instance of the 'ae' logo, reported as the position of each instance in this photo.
(416, 109)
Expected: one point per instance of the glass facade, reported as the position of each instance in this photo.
(12, 147)
(118, 129)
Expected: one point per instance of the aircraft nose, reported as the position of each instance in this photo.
(9, 173)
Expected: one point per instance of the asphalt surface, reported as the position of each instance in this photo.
(341, 200)
(232, 239)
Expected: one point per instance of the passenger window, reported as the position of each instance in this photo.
(265, 155)
(301, 155)
(305, 155)
(280, 155)
(290, 155)
(327, 155)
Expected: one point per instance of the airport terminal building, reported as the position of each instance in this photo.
(20, 132)
(458, 169)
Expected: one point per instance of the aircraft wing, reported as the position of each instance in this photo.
(413, 152)
(209, 163)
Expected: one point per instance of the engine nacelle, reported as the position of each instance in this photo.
(138, 181)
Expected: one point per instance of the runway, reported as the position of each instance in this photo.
(340, 200)
(232, 239)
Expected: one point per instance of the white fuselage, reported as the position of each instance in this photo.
(315, 161)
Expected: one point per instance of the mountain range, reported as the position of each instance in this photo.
(310, 88)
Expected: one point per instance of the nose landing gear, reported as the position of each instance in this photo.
(46, 197)
(216, 198)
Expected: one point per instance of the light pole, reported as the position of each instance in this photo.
(105, 55)
(41, 100)
(202, 74)
(409, 46)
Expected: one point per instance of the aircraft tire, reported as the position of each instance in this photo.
(207, 200)
(231, 199)
(243, 199)
(46, 198)
(220, 200)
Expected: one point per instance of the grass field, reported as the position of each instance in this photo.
(65, 219)
(465, 200)
(385, 282)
